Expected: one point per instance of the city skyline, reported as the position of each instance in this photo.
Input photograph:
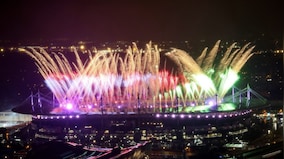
(140, 20)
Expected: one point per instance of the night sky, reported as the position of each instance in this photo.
(129, 20)
(113, 20)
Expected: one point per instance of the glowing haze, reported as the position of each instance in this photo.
(132, 80)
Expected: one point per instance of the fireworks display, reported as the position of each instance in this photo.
(133, 80)
(207, 77)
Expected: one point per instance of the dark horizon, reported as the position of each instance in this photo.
(141, 20)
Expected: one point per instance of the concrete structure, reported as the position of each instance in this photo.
(9, 118)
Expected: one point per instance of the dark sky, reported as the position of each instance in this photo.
(105, 20)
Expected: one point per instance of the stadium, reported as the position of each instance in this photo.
(117, 98)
